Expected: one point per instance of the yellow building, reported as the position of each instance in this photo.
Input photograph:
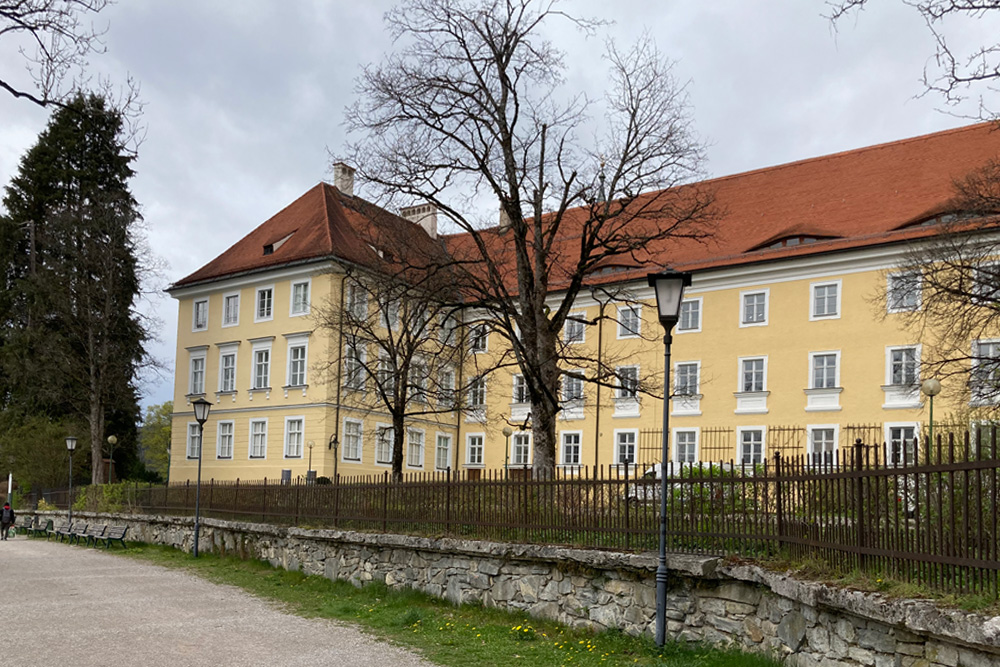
(784, 343)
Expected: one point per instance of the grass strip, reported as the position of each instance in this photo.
(441, 632)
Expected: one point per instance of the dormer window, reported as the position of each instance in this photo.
(269, 248)
(794, 241)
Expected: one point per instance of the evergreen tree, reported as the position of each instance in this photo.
(71, 341)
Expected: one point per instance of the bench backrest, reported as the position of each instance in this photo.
(95, 531)
(79, 529)
(116, 532)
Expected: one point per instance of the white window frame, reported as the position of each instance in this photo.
(891, 455)
(812, 368)
(384, 437)
(766, 292)
(250, 440)
(471, 449)
(194, 315)
(346, 453)
(479, 338)
(574, 324)
(563, 450)
(256, 348)
(623, 392)
(740, 371)
(889, 349)
(979, 289)
(292, 312)
(476, 394)
(220, 453)
(697, 378)
(200, 355)
(257, 317)
(811, 443)
(227, 351)
(739, 443)
(976, 397)
(618, 433)
(293, 342)
(356, 301)
(903, 277)
(288, 453)
(194, 436)
(516, 447)
(675, 432)
(438, 436)
(519, 390)
(225, 302)
(813, 287)
(574, 379)
(409, 448)
(360, 382)
(623, 331)
(699, 301)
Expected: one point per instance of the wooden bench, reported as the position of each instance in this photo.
(113, 534)
(77, 532)
(93, 533)
(42, 528)
(61, 531)
(23, 524)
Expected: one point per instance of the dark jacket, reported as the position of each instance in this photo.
(7, 515)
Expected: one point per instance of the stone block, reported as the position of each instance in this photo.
(846, 631)
(861, 656)
(910, 661)
(818, 639)
(970, 658)
(739, 609)
(941, 654)
(753, 630)
(792, 630)
(906, 648)
(877, 640)
(725, 624)
(489, 567)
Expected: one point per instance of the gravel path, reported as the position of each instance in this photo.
(78, 606)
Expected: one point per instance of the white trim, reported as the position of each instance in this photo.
(562, 448)
(673, 442)
(239, 304)
(974, 400)
(688, 405)
(530, 456)
(451, 442)
(482, 450)
(291, 297)
(256, 347)
(194, 313)
(225, 350)
(197, 355)
(766, 291)
(361, 441)
(812, 368)
(212, 286)
(637, 307)
(381, 427)
(298, 340)
(252, 421)
(739, 373)
(813, 317)
(615, 452)
(701, 315)
(810, 451)
(577, 322)
(423, 448)
(919, 291)
(302, 445)
(888, 426)
(739, 442)
(218, 440)
(256, 303)
(188, 441)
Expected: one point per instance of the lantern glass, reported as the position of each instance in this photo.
(70, 443)
(669, 287)
(201, 410)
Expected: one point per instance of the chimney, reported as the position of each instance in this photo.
(343, 178)
(425, 215)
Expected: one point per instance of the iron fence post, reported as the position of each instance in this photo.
(859, 513)
(778, 501)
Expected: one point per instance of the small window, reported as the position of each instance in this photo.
(474, 449)
(574, 329)
(293, 438)
(822, 445)
(197, 384)
(258, 438)
(300, 298)
(752, 446)
(265, 304)
(904, 364)
(354, 367)
(352, 440)
(297, 365)
(520, 390)
(985, 378)
(686, 379)
(571, 448)
(625, 447)
(262, 368)
(825, 301)
(986, 283)
(383, 445)
(225, 440)
(901, 444)
(685, 446)
(753, 376)
(357, 302)
(200, 315)
(193, 441)
(442, 452)
(520, 449)
(227, 372)
(478, 338)
(754, 308)
(572, 389)
(477, 392)
(415, 448)
(824, 371)
(231, 310)
(628, 382)
(629, 321)
(418, 378)
(690, 319)
(904, 291)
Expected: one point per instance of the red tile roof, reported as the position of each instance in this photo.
(852, 199)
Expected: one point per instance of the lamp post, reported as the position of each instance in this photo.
(310, 445)
(669, 287)
(931, 388)
(333, 445)
(112, 441)
(70, 446)
(201, 410)
(506, 456)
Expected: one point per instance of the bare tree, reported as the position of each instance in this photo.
(947, 288)
(471, 103)
(953, 71)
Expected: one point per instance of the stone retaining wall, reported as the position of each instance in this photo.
(707, 600)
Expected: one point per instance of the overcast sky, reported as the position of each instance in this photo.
(244, 98)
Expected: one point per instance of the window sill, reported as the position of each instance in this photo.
(751, 402)
(192, 397)
(823, 400)
(288, 387)
(232, 394)
(259, 390)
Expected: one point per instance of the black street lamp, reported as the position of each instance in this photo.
(70, 446)
(669, 287)
(201, 410)
(112, 441)
(931, 388)
(506, 457)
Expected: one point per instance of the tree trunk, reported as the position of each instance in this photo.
(398, 437)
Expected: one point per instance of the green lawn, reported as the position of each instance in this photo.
(441, 632)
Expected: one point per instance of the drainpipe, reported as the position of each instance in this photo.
(340, 380)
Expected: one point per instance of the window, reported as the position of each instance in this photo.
(262, 368)
(224, 444)
(628, 382)
(572, 388)
(300, 298)
(446, 387)
(686, 446)
(227, 370)
(574, 329)
(903, 290)
(625, 447)
(231, 310)
(265, 304)
(570, 448)
(197, 385)
(418, 381)
(415, 448)
(193, 441)
(753, 376)
(986, 283)
(448, 331)
(629, 321)
(825, 301)
(477, 392)
(390, 314)
(822, 445)
(357, 302)
(824, 371)
(686, 379)
(903, 365)
(442, 453)
(293, 437)
(258, 438)
(752, 445)
(520, 389)
(383, 445)
(901, 444)
(690, 319)
(474, 449)
(520, 452)
(352, 440)
(985, 371)
(200, 322)
(354, 367)
(296, 364)
(478, 338)
(754, 308)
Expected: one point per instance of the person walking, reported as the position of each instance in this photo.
(6, 520)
